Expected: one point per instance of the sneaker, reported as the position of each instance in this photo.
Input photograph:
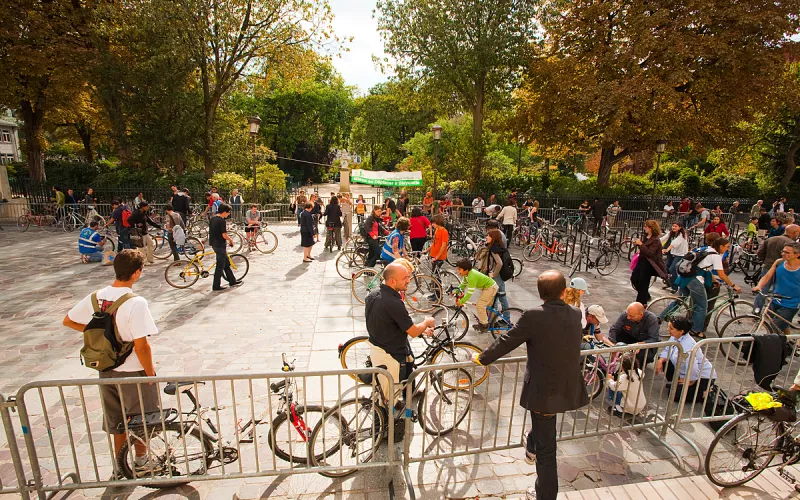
(530, 458)
(480, 327)
(146, 468)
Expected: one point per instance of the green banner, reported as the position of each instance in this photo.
(381, 178)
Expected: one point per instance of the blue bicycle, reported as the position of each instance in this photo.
(500, 320)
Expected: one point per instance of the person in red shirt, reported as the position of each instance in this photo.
(717, 226)
(441, 238)
(684, 206)
(419, 229)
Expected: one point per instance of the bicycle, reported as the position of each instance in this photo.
(422, 294)
(605, 263)
(180, 274)
(755, 322)
(351, 432)
(329, 238)
(551, 244)
(262, 239)
(178, 442)
(46, 221)
(163, 251)
(727, 307)
(440, 348)
(595, 368)
(499, 321)
(748, 443)
(565, 221)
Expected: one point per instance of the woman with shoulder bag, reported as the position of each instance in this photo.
(675, 247)
(494, 263)
(651, 262)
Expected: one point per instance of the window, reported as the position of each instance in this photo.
(6, 136)
(6, 159)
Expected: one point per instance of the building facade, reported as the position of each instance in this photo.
(9, 138)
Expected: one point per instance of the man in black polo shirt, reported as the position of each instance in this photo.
(218, 239)
(389, 326)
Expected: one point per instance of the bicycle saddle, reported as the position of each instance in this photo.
(172, 387)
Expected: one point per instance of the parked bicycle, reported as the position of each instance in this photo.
(423, 293)
(727, 307)
(46, 221)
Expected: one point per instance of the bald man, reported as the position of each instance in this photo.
(636, 326)
(389, 325)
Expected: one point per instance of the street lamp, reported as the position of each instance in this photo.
(661, 146)
(520, 141)
(255, 123)
(437, 136)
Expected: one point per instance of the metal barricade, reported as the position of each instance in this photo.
(13, 480)
(491, 419)
(209, 428)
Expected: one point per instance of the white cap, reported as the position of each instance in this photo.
(598, 312)
(580, 284)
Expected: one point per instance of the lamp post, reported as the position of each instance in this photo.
(661, 146)
(519, 153)
(255, 123)
(437, 136)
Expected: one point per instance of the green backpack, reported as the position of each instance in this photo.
(103, 349)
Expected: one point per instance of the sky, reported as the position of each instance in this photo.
(354, 18)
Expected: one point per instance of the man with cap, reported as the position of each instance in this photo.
(596, 316)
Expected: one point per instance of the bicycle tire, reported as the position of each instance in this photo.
(532, 252)
(448, 279)
(51, 225)
(607, 262)
(22, 223)
(456, 252)
(192, 247)
(239, 265)
(733, 434)
(266, 241)
(238, 242)
(348, 263)
(439, 397)
(560, 222)
(162, 249)
(199, 228)
(337, 421)
(660, 305)
(69, 223)
(424, 293)
(110, 244)
(462, 351)
(741, 325)
(457, 324)
(499, 325)
(354, 354)
(730, 311)
(518, 266)
(190, 453)
(594, 376)
(182, 274)
(364, 282)
(288, 450)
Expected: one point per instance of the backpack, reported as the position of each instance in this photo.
(103, 349)
(507, 271)
(126, 212)
(688, 266)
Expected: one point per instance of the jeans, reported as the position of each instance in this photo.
(672, 269)
(95, 257)
(501, 292)
(697, 291)
(542, 443)
(173, 246)
(124, 237)
(758, 303)
(711, 301)
(223, 267)
(786, 314)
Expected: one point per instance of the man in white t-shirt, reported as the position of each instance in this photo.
(509, 217)
(134, 323)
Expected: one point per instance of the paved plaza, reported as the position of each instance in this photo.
(306, 311)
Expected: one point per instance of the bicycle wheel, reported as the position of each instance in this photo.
(354, 354)
(444, 402)
(448, 279)
(456, 252)
(23, 222)
(518, 265)
(238, 241)
(364, 282)
(69, 223)
(49, 223)
(532, 252)
(501, 324)
(742, 325)
(162, 250)
(239, 265)
(110, 244)
(594, 376)
(665, 311)
(348, 435)
(266, 241)
(199, 228)
(561, 222)
(741, 450)
(732, 310)
(286, 441)
(607, 262)
(424, 293)
(457, 323)
(174, 451)
(459, 353)
(192, 247)
(348, 263)
(182, 274)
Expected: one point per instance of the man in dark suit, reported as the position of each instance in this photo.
(553, 381)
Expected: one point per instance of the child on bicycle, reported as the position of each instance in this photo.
(473, 281)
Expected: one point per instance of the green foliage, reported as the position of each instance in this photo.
(227, 181)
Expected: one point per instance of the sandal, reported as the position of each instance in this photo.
(699, 335)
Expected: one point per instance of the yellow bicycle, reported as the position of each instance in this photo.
(182, 274)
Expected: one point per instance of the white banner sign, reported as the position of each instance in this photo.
(381, 178)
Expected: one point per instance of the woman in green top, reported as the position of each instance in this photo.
(473, 281)
(60, 200)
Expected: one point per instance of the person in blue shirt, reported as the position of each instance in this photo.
(699, 377)
(394, 246)
(786, 271)
(90, 244)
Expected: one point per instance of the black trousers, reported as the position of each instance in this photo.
(417, 244)
(223, 267)
(698, 389)
(542, 443)
(374, 251)
(645, 355)
(173, 246)
(640, 279)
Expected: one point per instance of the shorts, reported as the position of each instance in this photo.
(250, 229)
(379, 357)
(113, 404)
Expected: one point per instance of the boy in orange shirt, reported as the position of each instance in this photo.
(438, 249)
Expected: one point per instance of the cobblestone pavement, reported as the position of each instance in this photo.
(305, 310)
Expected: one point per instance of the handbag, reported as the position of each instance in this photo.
(634, 261)
(137, 237)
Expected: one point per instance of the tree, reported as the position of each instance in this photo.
(44, 48)
(621, 75)
(472, 49)
(227, 38)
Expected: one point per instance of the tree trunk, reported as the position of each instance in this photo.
(208, 137)
(791, 163)
(477, 135)
(180, 165)
(85, 133)
(607, 160)
(32, 117)
(119, 126)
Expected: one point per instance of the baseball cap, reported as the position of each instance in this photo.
(597, 312)
(579, 284)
